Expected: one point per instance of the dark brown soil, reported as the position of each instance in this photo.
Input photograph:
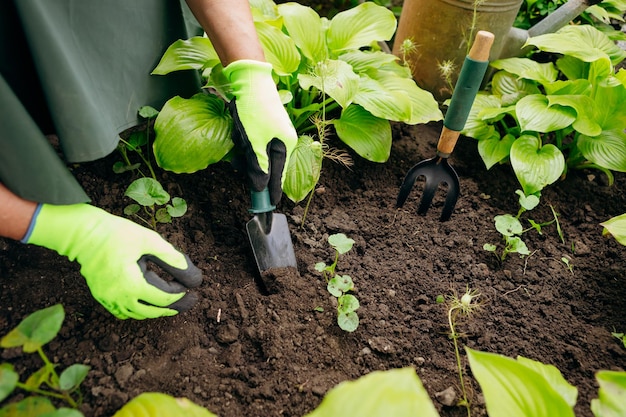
(241, 352)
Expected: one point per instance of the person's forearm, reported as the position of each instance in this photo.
(15, 214)
(229, 25)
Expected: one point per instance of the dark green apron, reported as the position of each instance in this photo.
(80, 69)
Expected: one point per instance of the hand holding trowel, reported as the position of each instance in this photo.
(437, 170)
(263, 131)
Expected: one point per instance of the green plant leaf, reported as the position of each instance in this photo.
(528, 202)
(279, 49)
(584, 42)
(156, 404)
(162, 216)
(363, 62)
(340, 242)
(526, 68)
(360, 26)
(63, 412)
(340, 284)
(194, 53)
(320, 266)
(585, 109)
(511, 88)
(348, 322)
(513, 390)
(36, 329)
(616, 227)
(508, 225)
(610, 401)
(554, 378)
(347, 303)
(28, 407)
(192, 133)
(178, 207)
(132, 209)
(535, 114)
(335, 78)
(304, 26)
(607, 150)
(147, 192)
(45, 374)
(368, 135)
(8, 380)
(304, 169)
(478, 126)
(535, 166)
(517, 245)
(493, 150)
(148, 112)
(397, 393)
(73, 376)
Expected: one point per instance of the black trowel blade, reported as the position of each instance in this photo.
(271, 241)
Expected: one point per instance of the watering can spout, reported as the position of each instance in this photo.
(516, 38)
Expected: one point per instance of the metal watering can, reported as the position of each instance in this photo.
(440, 30)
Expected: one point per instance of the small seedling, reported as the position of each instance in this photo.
(147, 191)
(511, 229)
(45, 384)
(340, 285)
(621, 337)
(458, 308)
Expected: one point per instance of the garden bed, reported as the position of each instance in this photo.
(241, 352)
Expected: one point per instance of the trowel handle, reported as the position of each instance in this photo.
(261, 202)
(467, 85)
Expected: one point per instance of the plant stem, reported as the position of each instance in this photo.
(454, 336)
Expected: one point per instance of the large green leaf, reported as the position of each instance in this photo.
(363, 61)
(147, 192)
(424, 107)
(192, 133)
(333, 77)
(279, 49)
(616, 227)
(585, 112)
(477, 126)
(535, 114)
(36, 329)
(611, 395)
(360, 26)
(607, 150)
(528, 69)
(514, 390)
(304, 169)
(156, 404)
(535, 166)
(194, 53)
(383, 99)
(510, 88)
(397, 393)
(584, 42)
(304, 26)
(611, 111)
(493, 150)
(367, 135)
(553, 377)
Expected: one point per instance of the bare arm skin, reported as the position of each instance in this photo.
(15, 214)
(229, 25)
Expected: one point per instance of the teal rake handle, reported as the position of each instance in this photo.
(467, 85)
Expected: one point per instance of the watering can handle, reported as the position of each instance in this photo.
(467, 85)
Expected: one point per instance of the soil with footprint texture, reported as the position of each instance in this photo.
(243, 352)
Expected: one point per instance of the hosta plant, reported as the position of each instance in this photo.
(547, 118)
(329, 72)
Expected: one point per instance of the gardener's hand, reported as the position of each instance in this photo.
(112, 252)
(262, 128)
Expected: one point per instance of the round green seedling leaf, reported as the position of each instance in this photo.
(347, 304)
(348, 321)
(340, 242)
(8, 380)
(339, 285)
(528, 202)
(35, 330)
(508, 225)
(147, 192)
(28, 407)
(177, 208)
(73, 376)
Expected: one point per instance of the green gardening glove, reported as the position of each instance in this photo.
(113, 254)
(262, 128)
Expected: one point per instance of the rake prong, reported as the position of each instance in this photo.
(408, 183)
(427, 196)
